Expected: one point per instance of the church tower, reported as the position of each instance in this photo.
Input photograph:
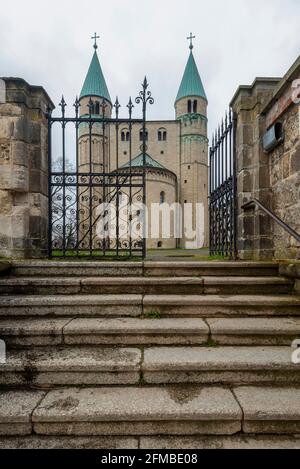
(95, 99)
(191, 111)
(93, 152)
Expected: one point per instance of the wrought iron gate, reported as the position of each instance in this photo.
(223, 192)
(96, 205)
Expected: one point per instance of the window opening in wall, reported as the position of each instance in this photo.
(162, 198)
(141, 135)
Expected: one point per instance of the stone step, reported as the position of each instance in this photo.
(47, 367)
(247, 285)
(77, 268)
(269, 410)
(138, 411)
(43, 331)
(145, 285)
(155, 305)
(86, 331)
(222, 305)
(254, 331)
(71, 305)
(60, 366)
(212, 268)
(181, 417)
(239, 441)
(226, 365)
(107, 285)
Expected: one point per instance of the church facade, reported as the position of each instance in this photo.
(176, 159)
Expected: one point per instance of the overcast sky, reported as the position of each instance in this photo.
(48, 44)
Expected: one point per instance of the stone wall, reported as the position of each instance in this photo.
(272, 178)
(284, 164)
(23, 170)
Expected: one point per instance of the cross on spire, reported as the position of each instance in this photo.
(190, 38)
(95, 37)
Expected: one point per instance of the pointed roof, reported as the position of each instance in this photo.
(191, 83)
(137, 162)
(94, 84)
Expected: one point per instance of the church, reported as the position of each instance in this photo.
(176, 156)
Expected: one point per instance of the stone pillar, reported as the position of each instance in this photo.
(255, 240)
(23, 169)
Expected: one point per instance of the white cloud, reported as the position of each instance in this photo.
(49, 44)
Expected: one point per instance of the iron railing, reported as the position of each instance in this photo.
(79, 195)
(254, 202)
(223, 189)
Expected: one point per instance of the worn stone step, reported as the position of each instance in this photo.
(138, 411)
(258, 442)
(222, 305)
(164, 305)
(19, 332)
(248, 285)
(68, 366)
(70, 305)
(16, 408)
(254, 331)
(60, 366)
(270, 410)
(145, 285)
(76, 268)
(181, 417)
(207, 269)
(137, 331)
(69, 442)
(71, 268)
(226, 365)
(100, 285)
(29, 332)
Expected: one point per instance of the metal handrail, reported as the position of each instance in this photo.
(251, 206)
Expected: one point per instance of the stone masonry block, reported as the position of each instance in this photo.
(19, 153)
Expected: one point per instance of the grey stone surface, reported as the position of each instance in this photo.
(32, 331)
(124, 327)
(221, 442)
(254, 331)
(92, 305)
(258, 285)
(72, 268)
(219, 358)
(145, 285)
(16, 408)
(265, 403)
(259, 326)
(32, 327)
(180, 269)
(133, 410)
(226, 365)
(31, 285)
(71, 366)
(223, 305)
(63, 442)
(74, 359)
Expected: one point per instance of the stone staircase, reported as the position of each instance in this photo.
(150, 355)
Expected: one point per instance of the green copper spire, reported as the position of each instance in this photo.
(191, 84)
(137, 162)
(94, 84)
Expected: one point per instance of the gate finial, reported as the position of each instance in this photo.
(95, 37)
